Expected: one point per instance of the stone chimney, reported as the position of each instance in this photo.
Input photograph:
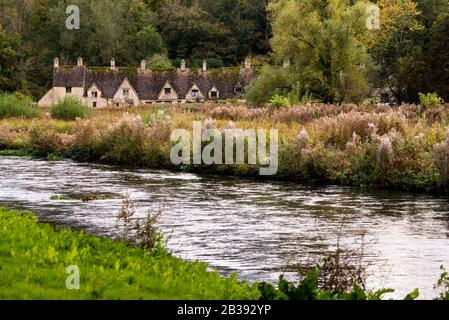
(56, 63)
(183, 65)
(247, 63)
(79, 62)
(112, 64)
(286, 63)
(143, 65)
(204, 65)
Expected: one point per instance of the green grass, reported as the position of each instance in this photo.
(34, 258)
(70, 108)
(15, 153)
(17, 106)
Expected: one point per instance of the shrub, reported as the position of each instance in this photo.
(17, 105)
(307, 289)
(272, 80)
(86, 144)
(44, 141)
(430, 100)
(443, 285)
(126, 142)
(278, 101)
(70, 108)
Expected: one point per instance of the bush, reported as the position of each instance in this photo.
(278, 101)
(430, 100)
(17, 105)
(126, 142)
(70, 108)
(307, 289)
(272, 80)
(159, 61)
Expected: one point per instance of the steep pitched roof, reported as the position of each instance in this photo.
(149, 83)
(69, 76)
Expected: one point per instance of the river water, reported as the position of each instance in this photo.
(257, 229)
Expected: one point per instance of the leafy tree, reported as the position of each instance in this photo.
(194, 33)
(8, 58)
(271, 81)
(159, 61)
(429, 71)
(395, 44)
(324, 42)
(431, 9)
(149, 43)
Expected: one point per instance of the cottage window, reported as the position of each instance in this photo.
(125, 92)
(213, 94)
(68, 90)
(238, 90)
(95, 94)
(194, 93)
(167, 90)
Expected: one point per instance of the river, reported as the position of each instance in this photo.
(257, 229)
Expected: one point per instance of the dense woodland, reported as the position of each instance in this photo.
(332, 56)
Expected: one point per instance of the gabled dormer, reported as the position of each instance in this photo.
(168, 92)
(214, 94)
(126, 93)
(194, 93)
(93, 92)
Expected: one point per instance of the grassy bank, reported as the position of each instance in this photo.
(402, 148)
(34, 258)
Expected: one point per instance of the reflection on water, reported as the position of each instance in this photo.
(255, 229)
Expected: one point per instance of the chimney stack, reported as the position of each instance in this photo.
(183, 65)
(79, 62)
(112, 64)
(247, 63)
(143, 65)
(204, 65)
(56, 63)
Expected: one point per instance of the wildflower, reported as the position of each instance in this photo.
(303, 138)
(385, 152)
(209, 124)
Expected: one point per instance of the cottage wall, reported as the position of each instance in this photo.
(121, 99)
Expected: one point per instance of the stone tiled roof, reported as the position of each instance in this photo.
(149, 83)
(69, 77)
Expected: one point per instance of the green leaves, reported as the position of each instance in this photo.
(34, 258)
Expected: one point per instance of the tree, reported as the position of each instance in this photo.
(8, 59)
(159, 61)
(149, 43)
(192, 33)
(395, 46)
(429, 72)
(431, 9)
(324, 42)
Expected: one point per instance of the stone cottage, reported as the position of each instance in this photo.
(117, 87)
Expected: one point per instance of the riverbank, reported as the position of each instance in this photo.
(404, 148)
(34, 257)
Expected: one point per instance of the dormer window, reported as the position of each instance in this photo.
(68, 90)
(125, 92)
(214, 94)
(238, 90)
(167, 91)
(194, 93)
